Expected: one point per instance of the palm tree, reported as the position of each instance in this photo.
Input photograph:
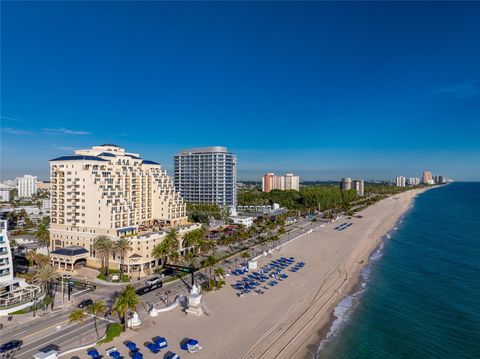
(174, 257)
(245, 255)
(190, 239)
(104, 246)
(172, 239)
(189, 258)
(12, 217)
(43, 235)
(77, 316)
(122, 247)
(167, 247)
(209, 262)
(13, 243)
(127, 300)
(206, 246)
(96, 309)
(45, 275)
(219, 273)
(161, 251)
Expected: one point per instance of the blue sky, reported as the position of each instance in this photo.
(371, 90)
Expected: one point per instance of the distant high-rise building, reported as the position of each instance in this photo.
(427, 177)
(441, 179)
(292, 182)
(413, 181)
(400, 181)
(345, 184)
(4, 195)
(288, 182)
(207, 175)
(358, 185)
(27, 186)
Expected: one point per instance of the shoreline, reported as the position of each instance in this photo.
(291, 319)
(356, 285)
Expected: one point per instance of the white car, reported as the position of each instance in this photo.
(153, 281)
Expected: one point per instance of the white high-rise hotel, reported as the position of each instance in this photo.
(108, 191)
(27, 186)
(207, 175)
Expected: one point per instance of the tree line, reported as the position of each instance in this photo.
(308, 198)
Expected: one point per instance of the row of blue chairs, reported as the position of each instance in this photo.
(343, 226)
(155, 346)
(297, 267)
(240, 271)
(271, 274)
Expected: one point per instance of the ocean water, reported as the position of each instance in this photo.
(421, 295)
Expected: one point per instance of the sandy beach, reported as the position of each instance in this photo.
(288, 320)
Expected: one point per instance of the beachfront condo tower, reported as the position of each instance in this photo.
(427, 177)
(359, 186)
(283, 183)
(400, 181)
(345, 184)
(106, 191)
(207, 175)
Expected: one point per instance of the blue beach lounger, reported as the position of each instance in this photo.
(161, 342)
(94, 354)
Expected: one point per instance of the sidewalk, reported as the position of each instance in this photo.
(21, 319)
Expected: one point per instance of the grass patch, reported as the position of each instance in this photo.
(111, 272)
(114, 330)
(23, 311)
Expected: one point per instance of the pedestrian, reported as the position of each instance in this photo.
(10, 317)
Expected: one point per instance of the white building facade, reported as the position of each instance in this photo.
(359, 186)
(6, 259)
(27, 186)
(400, 181)
(4, 195)
(413, 181)
(207, 175)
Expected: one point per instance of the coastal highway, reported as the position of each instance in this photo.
(56, 332)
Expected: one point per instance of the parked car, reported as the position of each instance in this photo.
(152, 281)
(11, 345)
(85, 303)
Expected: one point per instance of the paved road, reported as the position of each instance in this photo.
(55, 331)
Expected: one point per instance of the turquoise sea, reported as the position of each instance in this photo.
(422, 293)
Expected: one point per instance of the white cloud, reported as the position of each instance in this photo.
(15, 131)
(463, 90)
(8, 118)
(65, 131)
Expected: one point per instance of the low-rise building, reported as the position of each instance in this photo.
(15, 293)
(43, 186)
(247, 221)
